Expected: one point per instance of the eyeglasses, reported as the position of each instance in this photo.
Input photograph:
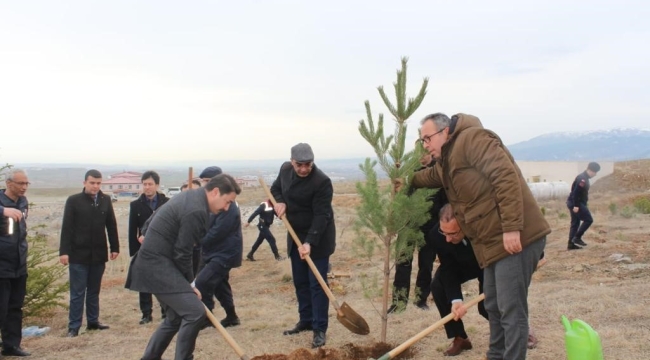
(449, 234)
(21, 183)
(427, 139)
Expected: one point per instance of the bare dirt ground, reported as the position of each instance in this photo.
(586, 284)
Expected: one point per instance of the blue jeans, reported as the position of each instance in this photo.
(313, 303)
(85, 283)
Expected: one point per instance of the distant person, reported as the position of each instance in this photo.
(497, 213)
(267, 214)
(581, 218)
(163, 265)
(304, 193)
(140, 211)
(13, 261)
(87, 218)
(404, 266)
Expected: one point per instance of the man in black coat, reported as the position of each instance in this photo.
(140, 210)
(577, 204)
(304, 193)
(404, 266)
(14, 209)
(457, 265)
(267, 214)
(221, 250)
(87, 217)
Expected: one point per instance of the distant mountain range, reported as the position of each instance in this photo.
(603, 145)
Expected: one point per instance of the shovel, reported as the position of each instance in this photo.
(225, 334)
(344, 313)
(417, 337)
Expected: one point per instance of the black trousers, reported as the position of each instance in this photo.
(265, 233)
(580, 222)
(443, 303)
(12, 296)
(146, 305)
(213, 280)
(402, 281)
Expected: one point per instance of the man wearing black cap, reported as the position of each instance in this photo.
(221, 250)
(577, 204)
(304, 193)
(208, 173)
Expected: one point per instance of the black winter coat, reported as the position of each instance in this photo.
(139, 212)
(309, 208)
(266, 214)
(84, 228)
(13, 248)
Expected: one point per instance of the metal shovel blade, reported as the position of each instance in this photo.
(351, 320)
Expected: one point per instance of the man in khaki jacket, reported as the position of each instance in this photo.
(498, 214)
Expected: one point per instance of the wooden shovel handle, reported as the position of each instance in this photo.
(417, 337)
(225, 334)
(296, 240)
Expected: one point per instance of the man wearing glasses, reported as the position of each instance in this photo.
(13, 261)
(497, 213)
(304, 193)
(457, 265)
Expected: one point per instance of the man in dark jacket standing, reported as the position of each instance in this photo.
(163, 265)
(577, 204)
(13, 261)
(87, 217)
(304, 193)
(403, 267)
(140, 210)
(498, 214)
(267, 214)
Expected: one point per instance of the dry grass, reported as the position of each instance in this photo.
(584, 284)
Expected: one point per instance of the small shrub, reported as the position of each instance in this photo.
(563, 215)
(613, 209)
(286, 278)
(642, 205)
(628, 212)
(45, 290)
(543, 209)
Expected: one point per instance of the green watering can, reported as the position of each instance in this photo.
(582, 342)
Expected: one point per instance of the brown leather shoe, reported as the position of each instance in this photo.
(457, 346)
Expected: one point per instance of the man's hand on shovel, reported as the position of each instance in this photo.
(458, 309)
(304, 250)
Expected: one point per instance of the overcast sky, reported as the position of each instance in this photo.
(141, 82)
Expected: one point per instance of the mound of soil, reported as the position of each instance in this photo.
(346, 352)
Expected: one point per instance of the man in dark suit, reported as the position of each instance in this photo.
(14, 209)
(87, 218)
(457, 265)
(163, 265)
(304, 193)
(140, 210)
